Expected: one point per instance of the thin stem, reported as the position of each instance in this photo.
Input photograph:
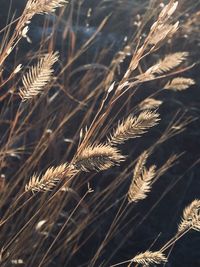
(174, 240)
(64, 225)
(12, 214)
(120, 263)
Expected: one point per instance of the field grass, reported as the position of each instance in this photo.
(99, 123)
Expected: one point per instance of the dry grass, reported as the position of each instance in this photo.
(133, 127)
(179, 84)
(78, 142)
(97, 158)
(37, 77)
(191, 219)
(142, 180)
(149, 258)
(170, 62)
(50, 178)
(45, 6)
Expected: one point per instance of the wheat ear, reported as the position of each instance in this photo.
(142, 180)
(179, 84)
(163, 31)
(150, 258)
(43, 6)
(50, 178)
(133, 127)
(97, 157)
(169, 62)
(191, 217)
(162, 28)
(150, 103)
(38, 76)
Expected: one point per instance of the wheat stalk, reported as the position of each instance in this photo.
(50, 178)
(171, 161)
(133, 127)
(191, 217)
(38, 76)
(97, 157)
(179, 84)
(142, 180)
(148, 258)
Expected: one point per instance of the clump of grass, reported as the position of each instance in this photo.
(47, 132)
